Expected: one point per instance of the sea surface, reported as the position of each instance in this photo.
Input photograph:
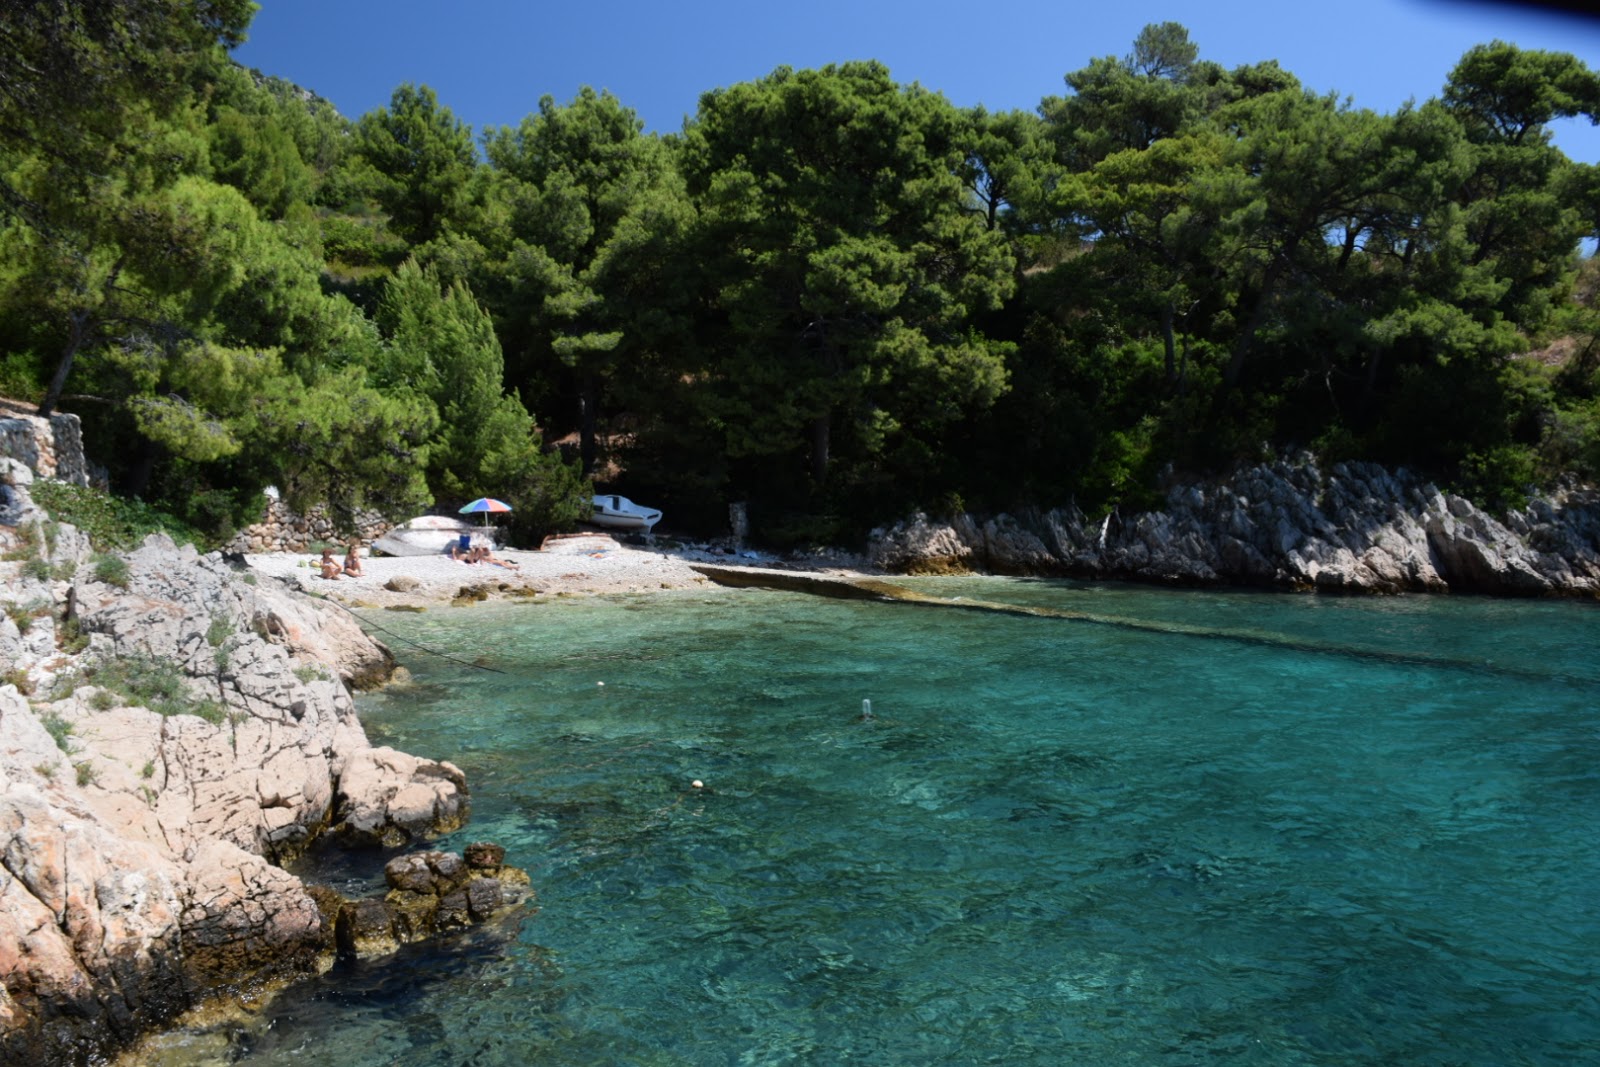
(1185, 828)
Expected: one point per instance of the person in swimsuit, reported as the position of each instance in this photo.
(330, 566)
(483, 555)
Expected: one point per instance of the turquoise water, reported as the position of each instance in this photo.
(1055, 842)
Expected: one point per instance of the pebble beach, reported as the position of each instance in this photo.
(580, 565)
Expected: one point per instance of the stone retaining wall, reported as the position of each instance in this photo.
(284, 530)
(51, 448)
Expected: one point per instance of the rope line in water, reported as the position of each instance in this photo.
(901, 595)
(418, 644)
(890, 592)
(383, 629)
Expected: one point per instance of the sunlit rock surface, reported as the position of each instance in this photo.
(1355, 527)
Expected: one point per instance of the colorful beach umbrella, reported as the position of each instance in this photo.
(485, 504)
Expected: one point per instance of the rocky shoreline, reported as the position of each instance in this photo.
(174, 729)
(1290, 525)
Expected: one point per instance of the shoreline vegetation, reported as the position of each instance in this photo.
(831, 299)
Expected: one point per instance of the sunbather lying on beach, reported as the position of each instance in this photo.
(483, 555)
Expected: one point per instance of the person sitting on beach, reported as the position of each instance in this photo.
(330, 566)
(352, 560)
(483, 555)
(460, 549)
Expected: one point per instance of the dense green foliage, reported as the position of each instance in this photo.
(110, 522)
(831, 296)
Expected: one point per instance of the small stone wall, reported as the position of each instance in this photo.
(283, 530)
(51, 448)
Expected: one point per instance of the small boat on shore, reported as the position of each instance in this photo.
(620, 513)
(430, 535)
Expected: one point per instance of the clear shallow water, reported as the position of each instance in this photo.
(1057, 842)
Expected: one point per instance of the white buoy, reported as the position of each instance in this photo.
(866, 709)
(602, 685)
(698, 784)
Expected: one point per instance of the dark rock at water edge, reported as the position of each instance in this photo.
(430, 893)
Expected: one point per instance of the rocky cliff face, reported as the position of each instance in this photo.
(1352, 528)
(171, 730)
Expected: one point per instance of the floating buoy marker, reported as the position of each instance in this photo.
(866, 710)
(602, 685)
(698, 784)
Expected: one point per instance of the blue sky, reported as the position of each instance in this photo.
(491, 60)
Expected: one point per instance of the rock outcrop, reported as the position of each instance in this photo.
(1353, 528)
(172, 730)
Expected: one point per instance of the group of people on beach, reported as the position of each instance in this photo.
(461, 550)
(465, 552)
(332, 568)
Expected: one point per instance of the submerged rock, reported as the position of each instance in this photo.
(431, 893)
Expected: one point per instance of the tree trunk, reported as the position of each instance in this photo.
(588, 450)
(143, 468)
(76, 332)
(819, 449)
(1258, 314)
(1169, 345)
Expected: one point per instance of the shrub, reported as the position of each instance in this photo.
(59, 729)
(86, 773)
(154, 684)
(38, 569)
(20, 615)
(1499, 479)
(219, 631)
(110, 522)
(70, 637)
(27, 544)
(18, 677)
(209, 710)
(112, 570)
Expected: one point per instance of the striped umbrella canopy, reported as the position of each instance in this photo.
(485, 504)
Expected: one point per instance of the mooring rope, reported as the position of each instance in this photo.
(417, 644)
(324, 599)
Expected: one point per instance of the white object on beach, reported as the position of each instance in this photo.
(430, 535)
(623, 514)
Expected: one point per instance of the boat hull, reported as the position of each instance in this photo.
(620, 513)
(430, 536)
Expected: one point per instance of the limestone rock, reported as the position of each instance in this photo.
(144, 809)
(390, 798)
(1353, 527)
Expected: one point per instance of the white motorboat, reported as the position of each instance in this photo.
(431, 535)
(620, 513)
